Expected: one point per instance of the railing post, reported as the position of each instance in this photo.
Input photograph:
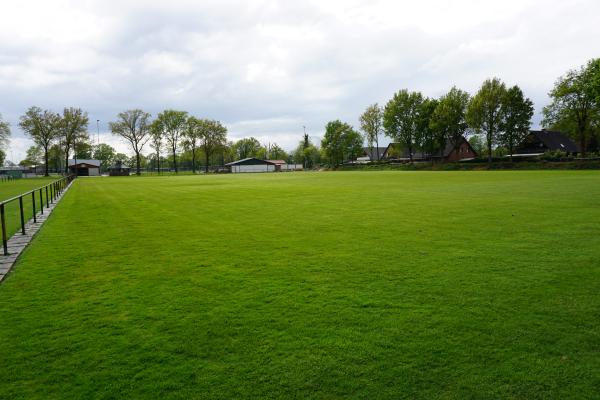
(22, 215)
(41, 202)
(4, 239)
(33, 202)
(47, 200)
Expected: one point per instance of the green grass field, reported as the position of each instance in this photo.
(13, 188)
(418, 285)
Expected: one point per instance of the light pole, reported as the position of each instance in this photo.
(98, 130)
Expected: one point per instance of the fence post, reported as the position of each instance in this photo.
(47, 201)
(4, 240)
(22, 215)
(33, 202)
(41, 202)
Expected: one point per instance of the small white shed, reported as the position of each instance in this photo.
(251, 165)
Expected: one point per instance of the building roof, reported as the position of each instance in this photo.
(250, 161)
(95, 163)
(554, 140)
(418, 155)
(373, 154)
(278, 162)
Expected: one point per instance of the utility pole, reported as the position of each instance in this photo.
(98, 131)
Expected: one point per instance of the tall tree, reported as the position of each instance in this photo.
(246, 147)
(191, 137)
(277, 153)
(105, 154)
(449, 117)
(156, 140)
(484, 114)
(576, 102)
(400, 118)
(4, 132)
(72, 129)
(371, 123)
(42, 127)
(213, 136)
(33, 156)
(426, 138)
(517, 111)
(340, 142)
(134, 127)
(172, 124)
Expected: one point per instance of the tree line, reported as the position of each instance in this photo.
(497, 116)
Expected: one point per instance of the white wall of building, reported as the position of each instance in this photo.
(252, 168)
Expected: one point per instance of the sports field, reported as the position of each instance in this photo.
(417, 285)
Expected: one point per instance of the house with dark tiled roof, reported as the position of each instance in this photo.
(539, 142)
(464, 151)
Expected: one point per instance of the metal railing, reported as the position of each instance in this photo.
(52, 191)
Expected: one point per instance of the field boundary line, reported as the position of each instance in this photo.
(18, 242)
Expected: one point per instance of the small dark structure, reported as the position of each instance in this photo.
(464, 151)
(119, 169)
(539, 142)
(84, 167)
(374, 154)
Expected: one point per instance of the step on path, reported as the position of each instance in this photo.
(18, 242)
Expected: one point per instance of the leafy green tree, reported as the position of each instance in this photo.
(477, 144)
(2, 157)
(157, 141)
(83, 150)
(56, 157)
(484, 113)
(72, 129)
(247, 147)
(213, 137)
(277, 153)
(401, 117)
(575, 103)
(134, 127)
(105, 154)
(426, 134)
(371, 124)
(449, 117)
(4, 132)
(172, 124)
(517, 111)
(341, 142)
(192, 135)
(33, 156)
(42, 127)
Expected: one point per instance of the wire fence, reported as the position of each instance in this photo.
(14, 212)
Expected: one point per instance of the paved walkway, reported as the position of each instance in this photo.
(18, 242)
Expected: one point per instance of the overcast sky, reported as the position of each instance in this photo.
(266, 68)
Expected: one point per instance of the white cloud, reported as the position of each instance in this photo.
(267, 67)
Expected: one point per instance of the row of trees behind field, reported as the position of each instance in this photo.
(496, 117)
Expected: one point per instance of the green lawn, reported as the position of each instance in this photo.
(10, 189)
(417, 285)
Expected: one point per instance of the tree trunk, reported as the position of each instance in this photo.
(137, 162)
(193, 160)
(206, 158)
(66, 160)
(175, 159)
(158, 162)
(489, 146)
(46, 158)
(410, 153)
(377, 144)
(510, 149)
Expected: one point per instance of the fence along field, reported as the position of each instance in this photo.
(22, 200)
